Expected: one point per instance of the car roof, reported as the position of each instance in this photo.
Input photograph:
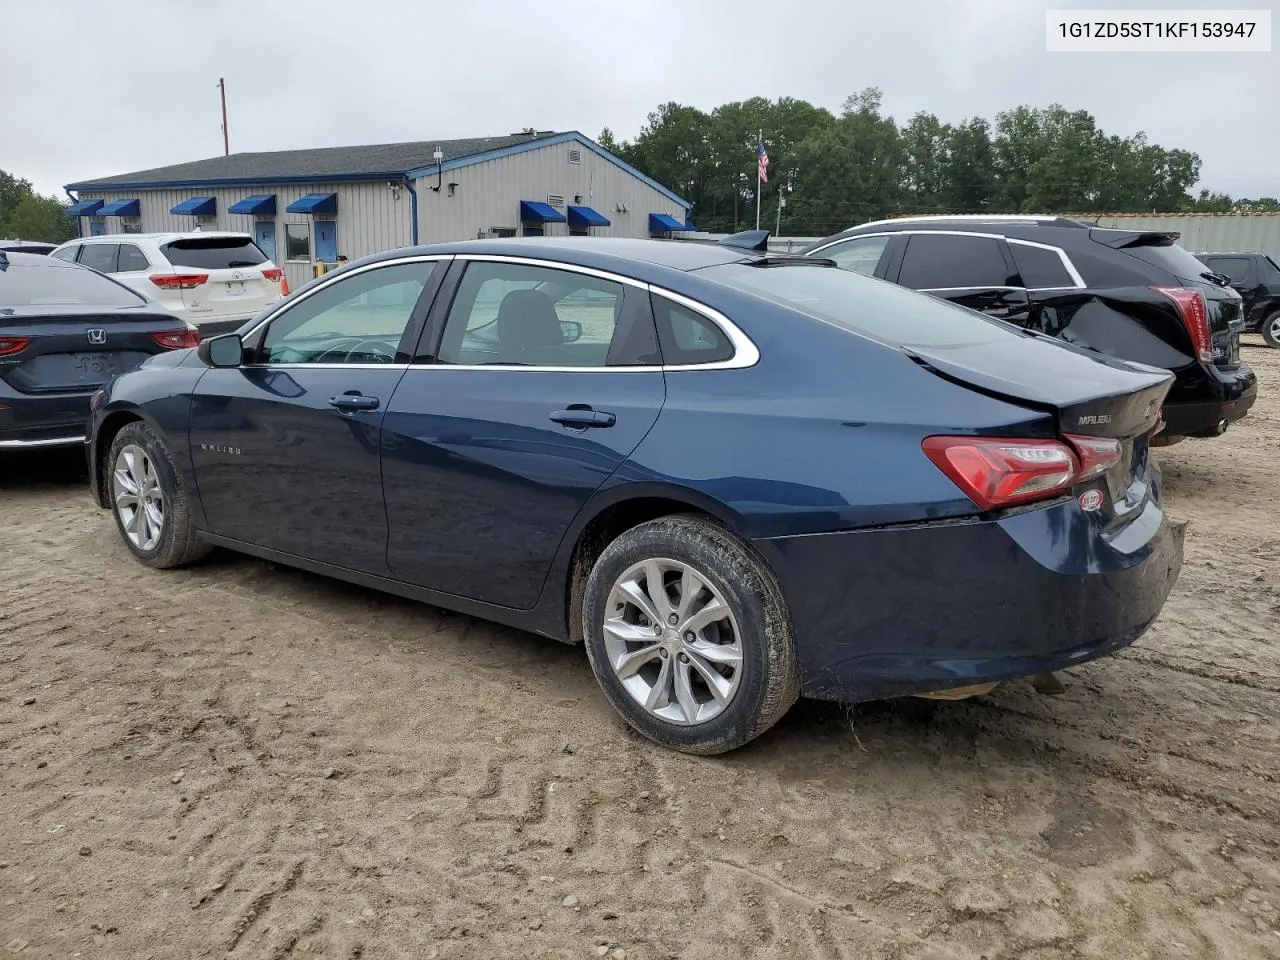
(158, 237)
(16, 259)
(586, 251)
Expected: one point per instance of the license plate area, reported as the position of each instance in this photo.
(72, 371)
(235, 288)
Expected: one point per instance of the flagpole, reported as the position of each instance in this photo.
(759, 182)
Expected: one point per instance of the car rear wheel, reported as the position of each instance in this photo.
(149, 501)
(1271, 330)
(688, 635)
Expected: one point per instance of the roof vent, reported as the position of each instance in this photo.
(555, 199)
(575, 156)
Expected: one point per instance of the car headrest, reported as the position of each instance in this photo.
(527, 320)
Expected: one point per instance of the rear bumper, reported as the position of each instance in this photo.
(43, 419)
(909, 610)
(1227, 396)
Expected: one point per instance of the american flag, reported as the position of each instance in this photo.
(763, 159)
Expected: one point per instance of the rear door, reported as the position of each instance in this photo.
(233, 283)
(972, 270)
(544, 383)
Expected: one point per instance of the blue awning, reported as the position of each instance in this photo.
(661, 223)
(260, 204)
(586, 217)
(533, 211)
(85, 208)
(121, 208)
(315, 203)
(197, 207)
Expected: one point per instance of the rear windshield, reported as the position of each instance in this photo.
(214, 253)
(1172, 258)
(54, 283)
(864, 305)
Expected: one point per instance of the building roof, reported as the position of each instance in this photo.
(370, 162)
(321, 163)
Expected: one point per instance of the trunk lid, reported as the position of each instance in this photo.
(1224, 306)
(1091, 396)
(233, 267)
(78, 349)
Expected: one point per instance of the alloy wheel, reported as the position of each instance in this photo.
(139, 501)
(673, 642)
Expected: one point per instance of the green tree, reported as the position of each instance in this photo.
(969, 168)
(926, 141)
(39, 218)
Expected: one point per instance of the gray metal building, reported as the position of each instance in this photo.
(304, 206)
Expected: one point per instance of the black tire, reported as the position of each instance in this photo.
(178, 543)
(1270, 330)
(769, 681)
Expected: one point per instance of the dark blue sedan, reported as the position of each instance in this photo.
(736, 478)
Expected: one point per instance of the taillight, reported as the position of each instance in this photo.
(1195, 317)
(999, 472)
(1097, 455)
(178, 281)
(177, 339)
(273, 274)
(9, 346)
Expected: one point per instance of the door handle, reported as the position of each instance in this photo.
(354, 401)
(580, 416)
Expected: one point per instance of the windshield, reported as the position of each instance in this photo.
(52, 283)
(1172, 258)
(864, 305)
(214, 253)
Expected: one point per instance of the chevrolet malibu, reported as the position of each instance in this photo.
(735, 478)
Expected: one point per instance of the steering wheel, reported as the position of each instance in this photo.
(351, 348)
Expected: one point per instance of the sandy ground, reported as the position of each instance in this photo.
(241, 760)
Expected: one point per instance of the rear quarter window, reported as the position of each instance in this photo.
(1172, 259)
(214, 253)
(876, 308)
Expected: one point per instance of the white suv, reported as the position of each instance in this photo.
(213, 279)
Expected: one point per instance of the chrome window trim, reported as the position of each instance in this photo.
(981, 286)
(53, 442)
(1077, 281)
(745, 352)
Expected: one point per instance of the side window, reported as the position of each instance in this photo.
(860, 255)
(1237, 268)
(687, 336)
(131, 259)
(507, 313)
(100, 256)
(359, 319)
(1040, 268)
(68, 253)
(937, 261)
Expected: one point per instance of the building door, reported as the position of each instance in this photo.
(264, 234)
(326, 241)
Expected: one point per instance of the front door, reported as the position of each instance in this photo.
(286, 447)
(264, 235)
(490, 453)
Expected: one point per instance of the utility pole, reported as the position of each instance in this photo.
(226, 136)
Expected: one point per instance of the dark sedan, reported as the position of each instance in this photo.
(736, 478)
(64, 330)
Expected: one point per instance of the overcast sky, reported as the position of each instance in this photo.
(92, 87)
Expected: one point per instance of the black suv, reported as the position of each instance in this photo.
(1256, 278)
(1128, 293)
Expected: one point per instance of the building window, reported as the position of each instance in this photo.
(575, 156)
(131, 226)
(297, 242)
(502, 231)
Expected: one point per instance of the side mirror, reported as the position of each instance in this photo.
(223, 351)
(571, 330)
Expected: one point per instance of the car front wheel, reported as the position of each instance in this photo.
(149, 500)
(688, 635)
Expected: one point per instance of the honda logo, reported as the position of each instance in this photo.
(97, 336)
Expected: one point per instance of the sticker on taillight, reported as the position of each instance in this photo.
(1091, 501)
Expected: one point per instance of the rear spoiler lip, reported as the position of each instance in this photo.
(1134, 238)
